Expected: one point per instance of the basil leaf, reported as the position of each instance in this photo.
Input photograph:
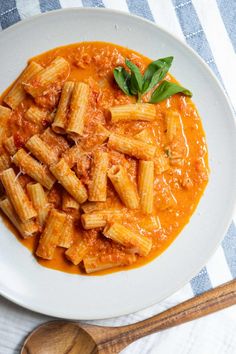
(136, 82)
(167, 89)
(122, 78)
(155, 72)
(157, 77)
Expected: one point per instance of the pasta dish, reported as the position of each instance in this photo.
(103, 157)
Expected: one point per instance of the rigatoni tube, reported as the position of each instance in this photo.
(132, 147)
(5, 161)
(124, 187)
(27, 228)
(60, 120)
(69, 180)
(55, 141)
(77, 252)
(72, 155)
(95, 264)
(145, 185)
(33, 168)
(5, 113)
(78, 107)
(51, 235)
(17, 93)
(99, 218)
(119, 233)
(17, 195)
(98, 184)
(67, 236)
(36, 115)
(130, 112)
(57, 71)
(10, 145)
(90, 207)
(39, 200)
(41, 150)
(92, 221)
(68, 202)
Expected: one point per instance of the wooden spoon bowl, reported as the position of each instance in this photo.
(59, 337)
(63, 337)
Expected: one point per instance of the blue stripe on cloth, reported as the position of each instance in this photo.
(229, 247)
(140, 8)
(228, 14)
(194, 33)
(92, 3)
(201, 282)
(8, 13)
(49, 5)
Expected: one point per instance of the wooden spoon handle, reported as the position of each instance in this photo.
(211, 301)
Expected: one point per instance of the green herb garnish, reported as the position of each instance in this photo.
(136, 84)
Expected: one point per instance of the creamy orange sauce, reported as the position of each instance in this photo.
(93, 63)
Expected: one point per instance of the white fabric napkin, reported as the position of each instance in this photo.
(209, 27)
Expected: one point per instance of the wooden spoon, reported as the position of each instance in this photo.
(64, 337)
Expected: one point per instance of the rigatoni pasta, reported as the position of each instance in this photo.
(17, 195)
(51, 235)
(68, 202)
(78, 107)
(119, 233)
(41, 150)
(92, 221)
(89, 207)
(132, 147)
(40, 202)
(68, 234)
(36, 115)
(33, 168)
(77, 252)
(99, 218)
(55, 141)
(98, 184)
(58, 70)
(125, 188)
(146, 185)
(10, 145)
(70, 182)
(17, 93)
(27, 228)
(5, 113)
(95, 176)
(129, 112)
(5, 161)
(60, 121)
(72, 155)
(96, 264)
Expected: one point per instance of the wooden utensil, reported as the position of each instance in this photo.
(64, 337)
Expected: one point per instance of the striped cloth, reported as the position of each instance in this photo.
(209, 27)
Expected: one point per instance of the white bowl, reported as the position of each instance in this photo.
(51, 292)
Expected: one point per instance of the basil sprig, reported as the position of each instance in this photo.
(136, 84)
